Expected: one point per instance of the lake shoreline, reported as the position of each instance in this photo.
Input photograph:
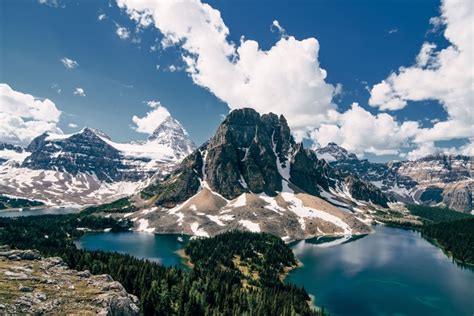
(185, 259)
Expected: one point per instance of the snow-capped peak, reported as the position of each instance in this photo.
(171, 133)
(333, 152)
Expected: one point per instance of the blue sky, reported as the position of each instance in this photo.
(360, 44)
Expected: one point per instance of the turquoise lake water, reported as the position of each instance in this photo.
(390, 272)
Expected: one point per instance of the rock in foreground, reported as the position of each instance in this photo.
(30, 284)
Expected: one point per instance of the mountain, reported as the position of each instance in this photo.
(170, 133)
(88, 167)
(433, 180)
(252, 175)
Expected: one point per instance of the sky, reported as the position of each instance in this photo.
(386, 79)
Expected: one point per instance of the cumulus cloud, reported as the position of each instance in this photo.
(288, 79)
(444, 75)
(102, 16)
(285, 79)
(69, 63)
(152, 119)
(360, 132)
(72, 125)
(23, 117)
(122, 32)
(80, 92)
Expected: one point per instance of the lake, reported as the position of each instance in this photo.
(38, 211)
(158, 248)
(390, 272)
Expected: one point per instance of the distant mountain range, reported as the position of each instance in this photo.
(446, 180)
(88, 167)
(252, 163)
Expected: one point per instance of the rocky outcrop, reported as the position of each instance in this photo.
(30, 284)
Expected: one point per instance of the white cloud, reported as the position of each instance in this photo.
(80, 92)
(72, 125)
(173, 68)
(102, 16)
(276, 25)
(69, 63)
(285, 79)
(158, 67)
(23, 117)
(444, 75)
(51, 3)
(393, 31)
(122, 32)
(360, 132)
(153, 103)
(152, 119)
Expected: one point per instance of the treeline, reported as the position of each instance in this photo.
(123, 205)
(456, 237)
(453, 231)
(10, 202)
(50, 233)
(432, 214)
(205, 290)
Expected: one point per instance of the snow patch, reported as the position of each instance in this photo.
(302, 211)
(198, 231)
(251, 226)
(143, 226)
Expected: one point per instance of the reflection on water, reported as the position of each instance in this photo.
(390, 272)
(158, 248)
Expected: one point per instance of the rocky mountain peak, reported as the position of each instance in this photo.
(171, 133)
(249, 153)
(332, 152)
(93, 132)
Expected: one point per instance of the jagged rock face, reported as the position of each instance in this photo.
(83, 152)
(308, 172)
(172, 134)
(242, 156)
(182, 184)
(365, 191)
